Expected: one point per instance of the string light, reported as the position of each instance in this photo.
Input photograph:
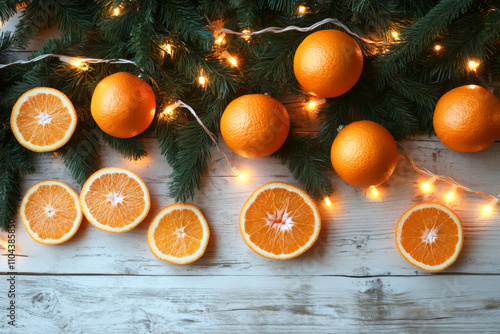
(302, 10)
(246, 34)
(117, 10)
(170, 109)
(313, 104)
(80, 64)
(426, 186)
(202, 80)
(473, 65)
(241, 175)
(374, 191)
(490, 206)
(220, 40)
(451, 194)
(395, 35)
(328, 202)
(437, 47)
(167, 48)
(233, 61)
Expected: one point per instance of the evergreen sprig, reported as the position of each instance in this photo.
(398, 88)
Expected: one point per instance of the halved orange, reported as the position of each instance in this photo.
(50, 212)
(43, 119)
(179, 234)
(429, 236)
(279, 221)
(115, 199)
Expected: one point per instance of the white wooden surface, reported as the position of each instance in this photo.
(353, 279)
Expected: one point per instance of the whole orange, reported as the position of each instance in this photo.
(467, 118)
(255, 125)
(328, 63)
(364, 154)
(123, 105)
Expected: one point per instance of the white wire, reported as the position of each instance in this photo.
(68, 59)
(277, 30)
(444, 178)
(210, 134)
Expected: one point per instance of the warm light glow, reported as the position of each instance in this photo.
(221, 39)
(202, 80)
(116, 11)
(313, 104)
(451, 194)
(437, 47)
(242, 176)
(302, 10)
(170, 109)
(426, 186)
(473, 65)
(167, 48)
(246, 34)
(5, 243)
(328, 202)
(490, 206)
(233, 61)
(80, 64)
(395, 34)
(374, 191)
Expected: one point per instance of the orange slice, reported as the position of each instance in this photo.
(50, 212)
(43, 119)
(429, 236)
(279, 221)
(115, 199)
(179, 234)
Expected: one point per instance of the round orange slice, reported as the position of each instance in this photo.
(43, 119)
(179, 234)
(115, 199)
(429, 236)
(279, 221)
(50, 212)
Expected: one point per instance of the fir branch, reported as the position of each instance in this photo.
(80, 154)
(8, 9)
(309, 163)
(130, 148)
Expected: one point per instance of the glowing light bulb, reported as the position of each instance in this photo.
(80, 64)
(313, 104)
(246, 34)
(233, 61)
(374, 191)
(170, 109)
(221, 39)
(473, 65)
(167, 48)
(437, 47)
(426, 186)
(202, 80)
(490, 206)
(242, 176)
(395, 34)
(302, 9)
(116, 11)
(328, 202)
(451, 194)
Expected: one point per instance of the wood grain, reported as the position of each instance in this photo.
(357, 237)
(257, 304)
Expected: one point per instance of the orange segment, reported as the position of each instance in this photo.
(179, 234)
(50, 212)
(279, 221)
(43, 119)
(429, 236)
(115, 199)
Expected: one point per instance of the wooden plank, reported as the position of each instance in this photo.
(356, 239)
(263, 304)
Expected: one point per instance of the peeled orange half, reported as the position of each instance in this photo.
(429, 236)
(115, 199)
(43, 119)
(50, 212)
(179, 234)
(279, 221)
